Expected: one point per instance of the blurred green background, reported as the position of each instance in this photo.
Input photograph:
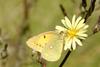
(21, 19)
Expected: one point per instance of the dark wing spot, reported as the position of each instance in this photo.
(37, 44)
(44, 36)
(40, 45)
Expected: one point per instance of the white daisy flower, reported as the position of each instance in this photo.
(74, 32)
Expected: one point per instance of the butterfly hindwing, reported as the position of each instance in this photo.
(53, 48)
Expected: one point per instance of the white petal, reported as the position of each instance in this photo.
(78, 41)
(73, 20)
(77, 20)
(74, 45)
(81, 21)
(64, 23)
(86, 26)
(82, 38)
(81, 24)
(81, 32)
(67, 44)
(60, 28)
(68, 22)
(65, 47)
(83, 35)
(83, 29)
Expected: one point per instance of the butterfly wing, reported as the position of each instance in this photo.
(53, 47)
(49, 44)
(36, 43)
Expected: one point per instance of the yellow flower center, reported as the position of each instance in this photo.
(72, 32)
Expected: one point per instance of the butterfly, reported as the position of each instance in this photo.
(48, 44)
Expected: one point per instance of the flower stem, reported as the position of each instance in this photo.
(65, 58)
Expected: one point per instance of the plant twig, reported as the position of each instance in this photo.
(97, 26)
(63, 10)
(90, 10)
(24, 25)
(84, 4)
(65, 58)
(43, 64)
(41, 60)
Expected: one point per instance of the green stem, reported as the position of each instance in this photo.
(65, 58)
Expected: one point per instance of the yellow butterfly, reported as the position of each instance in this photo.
(49, 44)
